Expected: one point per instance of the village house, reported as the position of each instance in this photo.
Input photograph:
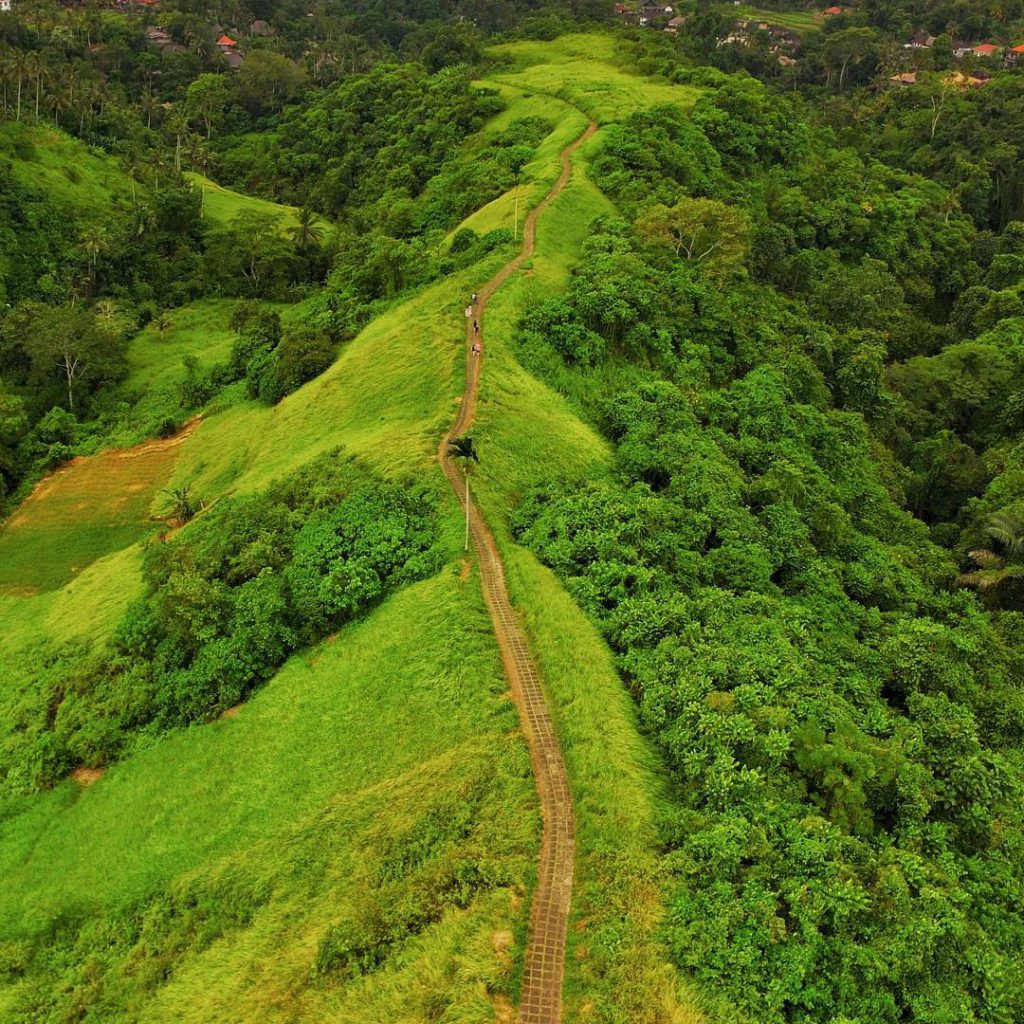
(1014, 54)
(675, 24)
(961, 49)
(779, 39)
(905, 78)
(832, 12)
(226, 43)
(650, 12)
(920, 41)
(783, 39)
(626, 14)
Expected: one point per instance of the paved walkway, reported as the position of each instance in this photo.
(544, 964)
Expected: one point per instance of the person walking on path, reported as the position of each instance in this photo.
(476, 327)
(474, 298)
(476, 348)
(469, 312)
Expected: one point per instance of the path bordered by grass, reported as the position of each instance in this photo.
(615, 970)
(289, 806)
(414, 683)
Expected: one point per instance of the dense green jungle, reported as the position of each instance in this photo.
(740, 439)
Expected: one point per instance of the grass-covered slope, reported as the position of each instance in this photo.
(222, 205)
(587, 71)
(374, 790)
(87, 183)
(91, 507)
(357, 841)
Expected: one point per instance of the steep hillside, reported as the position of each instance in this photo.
(370, 811)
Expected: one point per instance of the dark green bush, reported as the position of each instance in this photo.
(227, 600)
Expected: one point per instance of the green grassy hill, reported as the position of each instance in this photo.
(221, 205)
(357, 842)
(88, 183)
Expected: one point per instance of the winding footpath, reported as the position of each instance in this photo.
(544, 963)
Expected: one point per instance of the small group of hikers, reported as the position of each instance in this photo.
(476, 349)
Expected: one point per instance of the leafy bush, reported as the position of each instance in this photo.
(227, 600)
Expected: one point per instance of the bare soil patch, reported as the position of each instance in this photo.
(87, 777)
(90, 507)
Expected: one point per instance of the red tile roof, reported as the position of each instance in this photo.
(987, 48)
(226, 41)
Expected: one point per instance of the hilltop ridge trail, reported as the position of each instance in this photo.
(544, 963)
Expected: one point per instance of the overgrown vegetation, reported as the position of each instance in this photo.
(226, 602)
(796, 328)
(842, 721)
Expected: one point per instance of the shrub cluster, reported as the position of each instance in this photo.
(227, 600)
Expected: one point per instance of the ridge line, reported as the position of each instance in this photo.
(544, 960)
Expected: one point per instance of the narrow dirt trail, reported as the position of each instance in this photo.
(544, 963)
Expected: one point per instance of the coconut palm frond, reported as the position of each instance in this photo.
(463, 448)
(1007, 531)
(984, 558)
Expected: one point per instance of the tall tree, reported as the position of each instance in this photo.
(463, 449)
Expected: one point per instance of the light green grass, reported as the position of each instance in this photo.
(88, 183)
(200, 329)
(588, 72)
(417, 677)
(156, 366)
(85, 608)
(295, 799)
(796, 21)
(537, 175)
(386, 399)
(221, 205)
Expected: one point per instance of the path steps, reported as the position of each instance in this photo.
(544, 961)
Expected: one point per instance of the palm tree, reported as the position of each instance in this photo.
(93, 241)
(306, 232)
(177, 125)
(88, 94)
(157, 162)
(7, 71)
(463, 449)
(130, 164)
(61, 100)
(183, 505)
(22, 65)
(516, 158)
(38, 69)
(149, 105)
(1000, 567)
